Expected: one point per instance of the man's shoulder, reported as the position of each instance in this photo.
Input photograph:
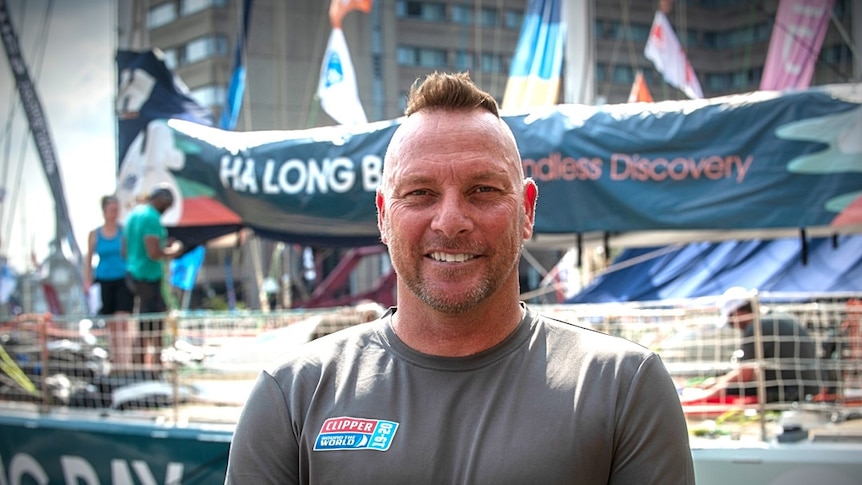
(583, 335)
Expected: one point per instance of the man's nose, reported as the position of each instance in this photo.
(453, 216)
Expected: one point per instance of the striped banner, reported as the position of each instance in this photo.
(534, 77)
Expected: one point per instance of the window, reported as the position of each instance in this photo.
(210, 96)
(204, 48)
(512, 19)
(737, 37)
(639, 32)
(161, 14)
(421, 57)
(491, 63)
(463, 61)
(170, 56)
(836, 54)
(488, 17)
(188, 7)
(623, 75)
(719, 82)
(601, 73)
(430, 11)
(462, 14)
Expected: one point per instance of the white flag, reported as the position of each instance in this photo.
(665, 52)
(337, 90)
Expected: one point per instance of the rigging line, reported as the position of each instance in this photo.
(610, 79)
(639, 259)
(497, 78)
(477, 40)
(312, 104)
(39, 57)
(845, 36)
(746, 59)
(630, 42)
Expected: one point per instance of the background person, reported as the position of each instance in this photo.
(461, 382)
(117, 302)
(787, 347)
(148, 249)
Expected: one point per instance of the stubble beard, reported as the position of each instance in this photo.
(404, 257)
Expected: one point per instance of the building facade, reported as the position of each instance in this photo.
(400, 41)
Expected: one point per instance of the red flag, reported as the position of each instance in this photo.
(640, 93)
(339, 8)
(665, 52)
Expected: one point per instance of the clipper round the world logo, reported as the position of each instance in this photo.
(346, 433)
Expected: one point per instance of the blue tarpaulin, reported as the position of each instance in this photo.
(707, 269)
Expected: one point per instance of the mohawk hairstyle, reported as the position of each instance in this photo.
(448, 91)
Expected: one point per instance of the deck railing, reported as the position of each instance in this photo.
(209, 360)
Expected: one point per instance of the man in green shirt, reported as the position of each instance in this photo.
(147, 248)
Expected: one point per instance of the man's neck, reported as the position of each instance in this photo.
(455, 335)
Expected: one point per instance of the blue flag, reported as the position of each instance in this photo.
(184, 270)
(236, 88)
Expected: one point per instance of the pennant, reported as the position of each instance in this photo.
(339, 8)
(640, 93)
(337, 89)
(534, 77)
(797, 36)
(236, 88)
(665, 52)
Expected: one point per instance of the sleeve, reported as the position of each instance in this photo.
(264, 448)
(652, 444)
(152, 226)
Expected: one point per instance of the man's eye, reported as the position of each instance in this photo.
(485, 189)
(418, 192)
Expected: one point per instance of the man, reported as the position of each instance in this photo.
(843, 346)
(788, 352)
(147, 248)
(460, 382)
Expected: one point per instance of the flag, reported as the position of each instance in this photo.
(640, 93)
(337, 90)
(534, 77)
(236, 88)
(797, 36)
(184, 270)
(147, 90)
(339, 8)
(665, 52)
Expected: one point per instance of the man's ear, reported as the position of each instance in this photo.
(380, 202)
(531, 195)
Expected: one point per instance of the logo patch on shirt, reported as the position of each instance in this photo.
(348, 433)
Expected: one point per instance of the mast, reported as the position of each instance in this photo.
(38, 124)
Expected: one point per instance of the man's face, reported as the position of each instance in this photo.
(163, 203)
(455, 212)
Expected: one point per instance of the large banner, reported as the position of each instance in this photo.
(65, 450)
(756, 162)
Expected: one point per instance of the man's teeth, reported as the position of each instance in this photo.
(451, 258)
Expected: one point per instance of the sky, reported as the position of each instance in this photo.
(69, 52)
